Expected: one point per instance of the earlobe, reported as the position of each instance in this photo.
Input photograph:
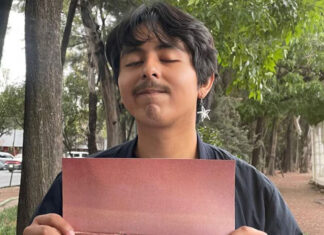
(205, 88)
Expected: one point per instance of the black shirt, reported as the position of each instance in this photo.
(258, 203)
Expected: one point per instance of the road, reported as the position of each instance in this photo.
(5, 178)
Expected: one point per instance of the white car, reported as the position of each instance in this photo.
(76, 154)
(4, 156)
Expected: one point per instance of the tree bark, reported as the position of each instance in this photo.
(92, 145)
(257, 143)
(5, 6)
(306, 153)
(43, 115)
(108, 86)
(287, 161)
(272, 157)
(67, 30)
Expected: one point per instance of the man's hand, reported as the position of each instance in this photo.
(245, 230)
(49, 224)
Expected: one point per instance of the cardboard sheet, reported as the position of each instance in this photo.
(149, 196)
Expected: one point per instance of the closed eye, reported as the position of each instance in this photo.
(169, 61)
(134, 63)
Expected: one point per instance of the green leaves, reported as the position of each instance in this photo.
(275, 50)
(250, 36)
(12, 108)
(193, 2)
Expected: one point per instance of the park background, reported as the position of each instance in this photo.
(267, 105)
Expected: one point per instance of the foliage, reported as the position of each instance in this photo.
(75, 110)
(251, 36)
(298, 86)
(8, 221)
(226, 125)
(210, 135)
(12, 108)
(292, 95)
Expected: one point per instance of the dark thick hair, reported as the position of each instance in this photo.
(167, 23)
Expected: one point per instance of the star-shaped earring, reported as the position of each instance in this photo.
(203, 112)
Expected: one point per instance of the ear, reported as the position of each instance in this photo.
(205, 88)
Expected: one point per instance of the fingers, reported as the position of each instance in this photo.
(34, 229)
(51, 224)
(245, 230)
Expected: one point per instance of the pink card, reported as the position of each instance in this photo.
(149, 196)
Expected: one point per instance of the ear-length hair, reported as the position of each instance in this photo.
(169, 24)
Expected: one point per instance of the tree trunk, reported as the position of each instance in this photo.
(306, 153)
(43, 115)
(257, 143)
(67, 30)
(274, 137)
(108, 86)
(5, 6)
(287, 161)
(92, 145)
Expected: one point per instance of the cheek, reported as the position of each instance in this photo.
(123, 89)
(188, 83)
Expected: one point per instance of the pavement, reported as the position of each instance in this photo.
(7, 177)
(8, 197)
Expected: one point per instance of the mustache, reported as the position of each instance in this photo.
(150, 85)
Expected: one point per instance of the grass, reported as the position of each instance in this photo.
(8, 219)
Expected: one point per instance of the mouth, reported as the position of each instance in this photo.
(150, 92)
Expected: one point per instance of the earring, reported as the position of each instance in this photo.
(203, 112)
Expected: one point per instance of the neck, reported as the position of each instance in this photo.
(167, 142)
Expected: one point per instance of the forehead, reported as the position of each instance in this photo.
(151, 33)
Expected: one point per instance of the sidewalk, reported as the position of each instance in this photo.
(8, 197)
(304, 200)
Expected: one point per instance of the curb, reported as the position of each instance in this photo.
(12, 186)
(3, 203)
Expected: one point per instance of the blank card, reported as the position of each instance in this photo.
(149, 196)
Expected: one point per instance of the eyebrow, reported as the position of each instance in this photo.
(130, 49)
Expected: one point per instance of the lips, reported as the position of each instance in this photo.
(149, 92)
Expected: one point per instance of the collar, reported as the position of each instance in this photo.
(204, 150)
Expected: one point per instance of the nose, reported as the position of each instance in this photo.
(151, 68)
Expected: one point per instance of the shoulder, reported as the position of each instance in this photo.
(257, 199)
(124, 150)
(244, 172)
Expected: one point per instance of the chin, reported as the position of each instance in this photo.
(156, 122)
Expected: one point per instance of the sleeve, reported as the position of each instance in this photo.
(279, 219)
(52, 202)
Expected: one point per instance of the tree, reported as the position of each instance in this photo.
(93, 100)
(75, 110)
(5, 6)
(11, 108)
(43, 119)
(250, 36)
(67, 30)
(273, 147)
(253, 38)
(108, 86)
(227, 121)
(258, 143)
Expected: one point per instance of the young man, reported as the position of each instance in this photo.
(164, 62)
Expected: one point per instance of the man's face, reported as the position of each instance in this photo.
(158, 83)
